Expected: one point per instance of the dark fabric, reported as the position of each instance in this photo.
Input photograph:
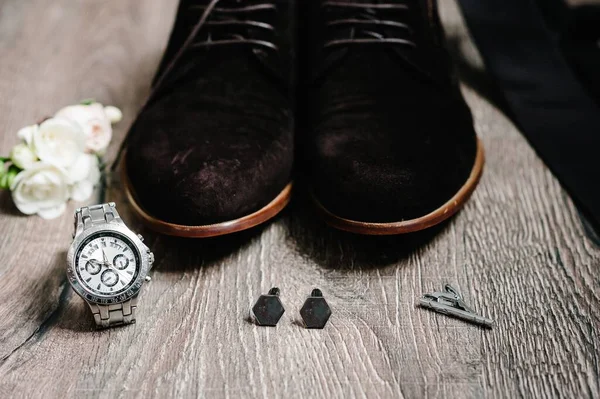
(580, 42)
(215, 143)
(386, 135)
(521, 47)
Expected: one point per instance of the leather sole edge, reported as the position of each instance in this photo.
(433, 218)
(254, 219)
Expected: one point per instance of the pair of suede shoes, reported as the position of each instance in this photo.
(360, 93)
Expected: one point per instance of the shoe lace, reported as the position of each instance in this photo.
(245, 18)
(368, 23)
(240, 16)
(238, 23)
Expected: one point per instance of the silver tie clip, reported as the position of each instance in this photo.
(451, 303)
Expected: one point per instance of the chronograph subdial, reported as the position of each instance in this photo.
(109, 278)
(121, 262)
(93, 267)
(118, 262)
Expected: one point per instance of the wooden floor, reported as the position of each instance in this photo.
(518, 253)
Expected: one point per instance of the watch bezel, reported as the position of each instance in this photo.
(134, 287)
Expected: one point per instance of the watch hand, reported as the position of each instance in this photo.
(113, 268)
(110, 266)
(104, 257)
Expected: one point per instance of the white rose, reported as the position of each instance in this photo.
(58, 142)
(84, 176)
(41, 189)
(22, 156)
(94, 122)
(113, 114)
(26, 133)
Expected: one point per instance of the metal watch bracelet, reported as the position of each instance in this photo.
(118, 313)
(115, 314)
(95, 215)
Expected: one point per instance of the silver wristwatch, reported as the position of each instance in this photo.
(107, 264)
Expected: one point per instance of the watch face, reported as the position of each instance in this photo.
(107, 264)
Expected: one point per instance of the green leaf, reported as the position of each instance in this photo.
(88, 101)
(101, 164)
(4, 181)
(13, 171)
(4, 159)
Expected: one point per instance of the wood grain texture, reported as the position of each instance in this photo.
(517, 252)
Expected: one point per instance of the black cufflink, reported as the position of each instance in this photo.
(315, 312)
(268, 309)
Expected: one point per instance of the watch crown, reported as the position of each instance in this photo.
(150, 258)
(148, 278)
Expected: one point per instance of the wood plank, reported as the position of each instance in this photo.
(517, 252)
(55, 54)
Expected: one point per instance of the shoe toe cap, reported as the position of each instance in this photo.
(208, 174)
(382, 178)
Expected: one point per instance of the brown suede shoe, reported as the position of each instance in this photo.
(211, 152)
(388, 143)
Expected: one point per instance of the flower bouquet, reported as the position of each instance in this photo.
(58, 159)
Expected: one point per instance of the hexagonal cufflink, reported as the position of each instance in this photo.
(315, 312)
(268, 309)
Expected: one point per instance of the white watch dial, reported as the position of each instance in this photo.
(107, 264)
